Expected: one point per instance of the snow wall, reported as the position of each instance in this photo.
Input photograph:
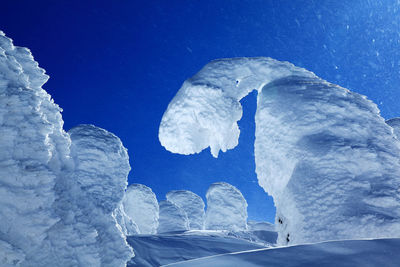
(57, 190)
(323, 153)
(172, 218)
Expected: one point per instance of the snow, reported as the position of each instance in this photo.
(323, 153)
(395, 124)
(58, 190)
(141, 205)
(127, 225)
(191, 204)
(172, 218)
(226, 208)
(346, 253)
(254, 226)
(156, 250)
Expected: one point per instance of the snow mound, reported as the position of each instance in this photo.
(191, 204)
(141, 205)
(226, 208)
(172, 218)
(395, 124)
(58, 191)
(323, 153)
(348, 253)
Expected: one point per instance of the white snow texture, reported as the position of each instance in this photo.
(172, 218)
(226, 208)
(191, 204)
(57, 190)
(141, 205)
(323, 153)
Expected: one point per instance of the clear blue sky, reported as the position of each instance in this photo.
(117, 64)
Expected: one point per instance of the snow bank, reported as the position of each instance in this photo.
(172, 218)
(58, 191)
(140, 204)
(260, 226)
(226, 208)
(191, 204)
(324, 153)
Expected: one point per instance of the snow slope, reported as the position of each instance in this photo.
(348, 253)
(323, 153)
(156, 250)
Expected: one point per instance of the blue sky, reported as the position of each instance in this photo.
(117, 64)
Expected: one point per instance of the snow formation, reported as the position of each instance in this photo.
(325, 154)
(395, 124)
(226, 208)
(172, 218)
(191, 204)
(57, 190)
(127, 225)
(141, 205)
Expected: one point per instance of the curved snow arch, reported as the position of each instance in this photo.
(325, 154)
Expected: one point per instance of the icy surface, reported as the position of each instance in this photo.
(141, 205)
(57, 190)
(192, 204)
(349, 253)
(172, 218)
(226, 208)
(324, 153)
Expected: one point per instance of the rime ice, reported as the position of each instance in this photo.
(141, 205)
(325, 154)
(191, 204)
(172, 218)
(58, 190)
(226, 208)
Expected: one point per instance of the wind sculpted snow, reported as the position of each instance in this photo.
(324, 153)
(172, 218)
(58, 190)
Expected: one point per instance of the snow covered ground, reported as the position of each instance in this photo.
(348, 253)
(156, 250)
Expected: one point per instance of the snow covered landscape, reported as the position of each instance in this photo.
(324, 153)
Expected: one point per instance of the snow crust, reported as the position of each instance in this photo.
(58, 190)
(141, 205)
(191, 204)
(226, 208)
(325, 154)
(172, 218)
